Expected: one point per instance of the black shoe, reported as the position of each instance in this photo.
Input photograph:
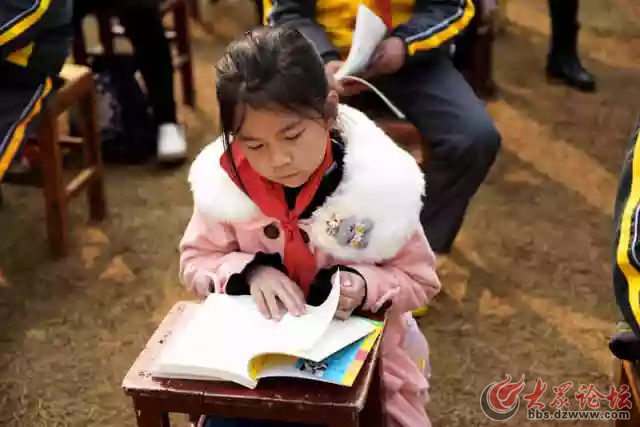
(568, 70)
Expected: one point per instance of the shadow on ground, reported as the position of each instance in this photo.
(526, 291)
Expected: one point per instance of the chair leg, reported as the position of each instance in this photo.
(194, 10)
(55, 196)
(80, 55)
(106, 33)
(93, 158)
(181, 23)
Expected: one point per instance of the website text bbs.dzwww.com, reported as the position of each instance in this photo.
(536, 414)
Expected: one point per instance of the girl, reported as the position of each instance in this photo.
(298, 187)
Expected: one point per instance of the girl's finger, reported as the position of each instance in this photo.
(291, 298)
(258, 297)
(342, 314)
(272, 305)
(345, 303)
(351, 292)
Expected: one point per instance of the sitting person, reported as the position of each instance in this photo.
(414, 69)
(34, 43)
(299, 187)
(143, 25)
(626, 266)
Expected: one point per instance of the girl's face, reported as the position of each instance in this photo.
(282, 146)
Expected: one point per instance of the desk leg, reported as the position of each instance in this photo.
(149, 418)
(345, 423)
(372, 414)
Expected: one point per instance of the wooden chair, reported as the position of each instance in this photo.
(77, 90)
(402, 132)
(275, 399)
(177, 34)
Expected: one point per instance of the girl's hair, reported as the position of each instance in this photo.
(269, 68)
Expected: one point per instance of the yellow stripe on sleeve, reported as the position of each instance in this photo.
(23, 22)
(446, 33)
(625, 245)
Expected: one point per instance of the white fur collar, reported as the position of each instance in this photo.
(382, 183)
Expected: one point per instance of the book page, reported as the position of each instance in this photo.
(219, 341)
(367, 35)
(341, 367)
(338, 335)
(299, 334)
(227, 332)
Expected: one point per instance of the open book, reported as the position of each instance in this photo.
(369, 31)
(229, 340)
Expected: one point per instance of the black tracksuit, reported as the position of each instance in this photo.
(35, 36)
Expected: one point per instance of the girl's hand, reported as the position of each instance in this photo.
(276, 294)
(352, 292)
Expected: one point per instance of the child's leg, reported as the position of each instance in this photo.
(227, 422)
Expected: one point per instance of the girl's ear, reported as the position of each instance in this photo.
(331, 109)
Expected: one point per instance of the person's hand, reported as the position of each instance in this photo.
(276, 294)
(342, 87)
(352, 292)
(388, 58)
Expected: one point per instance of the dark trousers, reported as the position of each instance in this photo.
(27, 78)
(143, 25)
(564, 26)
(463, 140)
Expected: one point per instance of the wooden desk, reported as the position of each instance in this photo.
(274, 399)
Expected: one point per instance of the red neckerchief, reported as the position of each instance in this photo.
(270, 198)
(384, 9)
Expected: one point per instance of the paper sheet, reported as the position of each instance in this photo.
(367, 35)
(228, 331)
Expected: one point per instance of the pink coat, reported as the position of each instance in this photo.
(382, 184)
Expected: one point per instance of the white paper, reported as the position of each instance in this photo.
(298, 334)
(338, 335)
(228, 331)
(367, 35)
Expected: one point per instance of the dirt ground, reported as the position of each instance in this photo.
(527, 290)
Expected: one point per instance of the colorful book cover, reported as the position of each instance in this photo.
(343, 366)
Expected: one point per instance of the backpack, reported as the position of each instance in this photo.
(127, 129)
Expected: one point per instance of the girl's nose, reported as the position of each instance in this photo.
(280, 158)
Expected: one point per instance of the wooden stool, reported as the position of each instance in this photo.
(627, 373)
(407, 136)
(274, 399)
(178, 34)
(402, 132)
(77, 89)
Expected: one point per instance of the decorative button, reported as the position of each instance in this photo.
(271, 231)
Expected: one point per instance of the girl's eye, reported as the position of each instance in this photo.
(295, 136)
(254, 147)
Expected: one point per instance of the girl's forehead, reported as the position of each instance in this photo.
(272, 117)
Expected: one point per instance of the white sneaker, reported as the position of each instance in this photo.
(172, 145)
